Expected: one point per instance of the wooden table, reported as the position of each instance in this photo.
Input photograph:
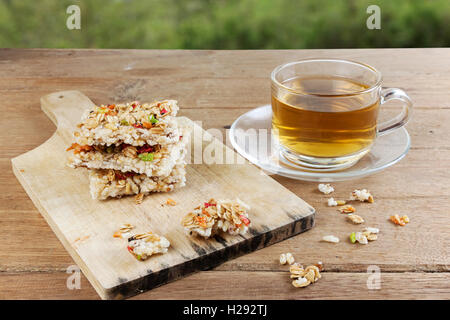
(216, 87)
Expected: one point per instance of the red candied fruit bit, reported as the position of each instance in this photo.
(137, 125)
(163, 111)
(207, 204)
(244, 219)
(145, 148)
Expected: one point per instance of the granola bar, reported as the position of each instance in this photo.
(150, 160)
(131, 123)
(113, 183)
(144, 245)
(215, 216)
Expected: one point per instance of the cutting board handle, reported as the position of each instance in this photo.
(65, 109)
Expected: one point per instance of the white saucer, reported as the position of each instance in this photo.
(386, 151)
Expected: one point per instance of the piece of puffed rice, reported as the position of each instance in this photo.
(361, 195)
(331, 239)
(332, 202)
(371, 230)
(354, 218)
(290, 258)
(326, 188)
(283, 259)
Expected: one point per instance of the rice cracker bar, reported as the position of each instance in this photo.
(214, 216)
(131, 123)
(144, 245)
(149, 160)
(112, 183)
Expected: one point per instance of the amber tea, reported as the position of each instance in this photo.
(326, 119)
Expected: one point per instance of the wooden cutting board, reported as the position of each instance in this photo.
(85, 226)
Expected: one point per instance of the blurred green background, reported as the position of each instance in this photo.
(224, 24)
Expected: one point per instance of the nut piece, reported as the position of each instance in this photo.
(326, 188)
(290, 258)
(354, 218)
(401, 221)
(139, 198)
(347, 209)
(304, 277)
(361, 238)
(331, 239)
(371, 230)
(362, 195)
(283, 259)
(124, 231)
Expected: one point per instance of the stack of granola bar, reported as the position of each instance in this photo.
(131, 148)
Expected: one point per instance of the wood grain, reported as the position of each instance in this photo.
(216, 87)
(85, 226)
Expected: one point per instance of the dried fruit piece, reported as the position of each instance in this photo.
(401, 221)
(347, 209)
(354, 218)
(331, 239)
(325, 188)
(171, 202)
(353, 237)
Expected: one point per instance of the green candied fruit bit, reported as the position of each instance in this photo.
(353, 237)
(139, 257)
(110, 149)
(124, 122)
(101, 110)
(146, 156)
(152, 119)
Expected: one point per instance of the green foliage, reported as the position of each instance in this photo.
(224, 24)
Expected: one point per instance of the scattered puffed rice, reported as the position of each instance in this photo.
(326, 188)
(401, 221)
(362, 195)
(354, 218)
(304, 277)
(347, 209)
(290, 258)
(330, 238)
(283, 259)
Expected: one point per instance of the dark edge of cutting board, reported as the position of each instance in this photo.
(210, 260)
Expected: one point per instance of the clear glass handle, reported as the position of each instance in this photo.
(401, 119)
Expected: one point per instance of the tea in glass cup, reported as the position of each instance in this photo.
(325, 111)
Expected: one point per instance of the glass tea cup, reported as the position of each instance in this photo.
(325, 111)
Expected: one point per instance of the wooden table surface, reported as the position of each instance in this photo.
(216, 87)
